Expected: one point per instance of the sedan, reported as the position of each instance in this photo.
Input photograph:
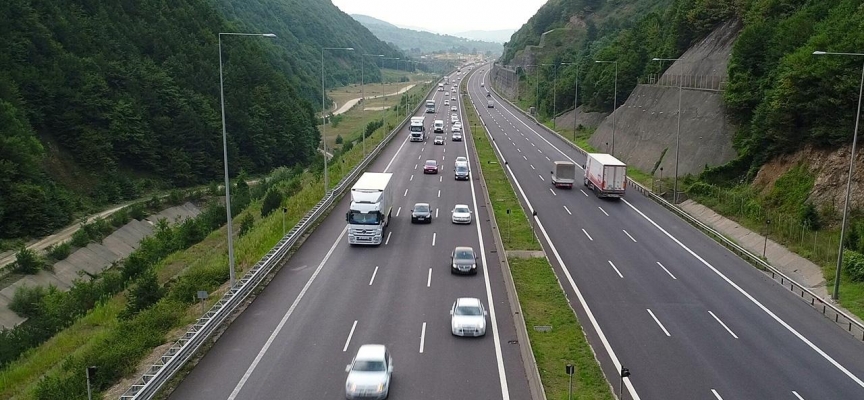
(369, 373)
(463, 261)
(439, 139)
(454, 118)
(461, 159)
(468, 317)
(431, 167)
(421, 213)
(456, 127)
(453, 108)
(461, 214)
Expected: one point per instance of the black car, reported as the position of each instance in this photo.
(463, 261)
(421, 213)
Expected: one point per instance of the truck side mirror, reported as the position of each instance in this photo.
(551, 173)
(347, 216)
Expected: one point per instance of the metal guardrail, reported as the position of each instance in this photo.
(829, 310)
(149, 383)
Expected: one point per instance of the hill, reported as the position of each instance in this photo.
(496, 36)
(102, 101)
(421, 42)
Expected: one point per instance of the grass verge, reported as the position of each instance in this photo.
(542, 300)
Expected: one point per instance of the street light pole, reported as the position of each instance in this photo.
(614, 102)
(554, 83)
(537, 79)
(836, 294)
(363, 93)
(677, 135)
(384, 101)
(575, 98)
(324, 114)
(225, 152)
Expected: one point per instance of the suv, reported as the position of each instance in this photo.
(431, 167)
(461, 171)
(369, 373)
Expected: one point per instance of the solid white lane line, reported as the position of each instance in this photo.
(439, 192)
(553, 192)
(397, 153)
(628, 235)
(542, 178)
(344, 349)
(434, 235)
(398, 210)
(618, 272)
(285, 317)
(436, 213)
(717, 395)
(568, 210)
(375, 272)
(586, 234)
(753, 300)
(406, 193)
(429, 278)
(658, 322)
(422, 337)
(412, 178)
(386, 242)
(601, 209)
(583, 192)
(667, 271)
(797, 395)
(724, 325)
(532, 167)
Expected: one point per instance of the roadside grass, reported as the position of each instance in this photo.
(543, 303)
(207, 261)
(541, 297)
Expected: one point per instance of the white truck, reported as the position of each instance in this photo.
(563, 174)
(430, 106)
(440, 87)
(605, 175)
(417, 129)
(371, 207)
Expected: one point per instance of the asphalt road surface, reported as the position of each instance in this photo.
(688, 318)
(295, 339)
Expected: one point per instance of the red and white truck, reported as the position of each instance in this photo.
(605, 175)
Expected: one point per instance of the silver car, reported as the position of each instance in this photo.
(369, 373)
(467, 317)
(461, 214)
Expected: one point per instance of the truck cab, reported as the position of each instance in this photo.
(370, 210)
(417, 129)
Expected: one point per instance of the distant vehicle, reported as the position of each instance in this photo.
(457, 136)
(461, 172)
(468, 317)
(369, 373)
(421, 213)
(605, 175)
(488, 94)
(438, 126)
(446, 94)
(431, 167)
(371, 206)
(446, 102)
(440, 87)
(463, 261)
(430, 106)
(482, 84)
(490, 104)
(453, 89)
(417, 129)
(461, 214)
(456, 127)
(563, 174)
(454, 118)
(453, 108)
(439, 139)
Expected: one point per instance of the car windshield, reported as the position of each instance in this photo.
(461, 168)
(464, 255)
(431, 163)
(467, 310)
(439, 137)
(461, 210)
(369, 366)
(358, 218)
(421, 208)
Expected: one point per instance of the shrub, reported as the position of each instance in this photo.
(246, 224)
(175, 197)
(143, 294)
(80, 238)
(347, 147)
(59, 251)
(28, 261)
(137, 211)
(339, 139)
(809, 216)
(120, 217)
(272, 201)
(27, 301)
(854, 265)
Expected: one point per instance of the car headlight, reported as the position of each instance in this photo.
(473, 266)
(380, 387)
(352, 387)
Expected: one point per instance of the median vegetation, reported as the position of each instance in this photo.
(542, 300)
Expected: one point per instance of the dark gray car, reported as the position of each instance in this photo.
(463, 261)
(421, 213)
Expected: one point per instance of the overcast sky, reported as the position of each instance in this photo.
(446, 16)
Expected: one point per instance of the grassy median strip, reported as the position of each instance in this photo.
(540, 295)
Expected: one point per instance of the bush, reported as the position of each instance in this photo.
(809, 216)
(137, 211)
(853, 264)
(27, 301)
(339, 139)
(59, 251)
(347, 147)
(272, 201)
(120, 217)
(80, 238)
(143, 294)
(28, 261)
(246, 224)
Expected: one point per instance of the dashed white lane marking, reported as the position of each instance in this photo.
(398, 210)
(429, 278)
(422, 337)
(436, 213)
(616, 269)
(344, 349)
(583, 192)
(553, 192)
(526, 158)
(628, 235)
(434, 235)
(661, 325)
(667, 271)
(386, 242)
(532, 167)
(439, 192)
(375, 272)
(412, 178)
(724, 325)
(415, 166)
(601, 209)
(568, 210)
(406, 193)
(797, 395)
(542, 178)
(547, 157)
(586, 234)
(440, 179)
(717, 395)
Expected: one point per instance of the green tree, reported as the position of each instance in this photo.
(272, 201)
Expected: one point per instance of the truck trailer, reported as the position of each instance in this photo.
(605, 175)
(371, 207)
(563, 174)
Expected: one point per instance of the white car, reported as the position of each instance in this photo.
(446, 102)
(454, 118)
(369, 373)
(453, 108)
(461, 214)
(468, 317)
(457, 127)
(461, 159)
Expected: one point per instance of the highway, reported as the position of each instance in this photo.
(295, 339)
(688, 318)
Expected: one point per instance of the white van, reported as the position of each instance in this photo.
(438, 126)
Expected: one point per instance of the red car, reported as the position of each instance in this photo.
(431, 167)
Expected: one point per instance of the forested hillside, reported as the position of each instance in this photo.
(101, 100)
(420, 42)
(780, 95)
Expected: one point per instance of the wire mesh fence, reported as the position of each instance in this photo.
(703, 82)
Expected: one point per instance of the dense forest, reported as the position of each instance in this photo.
(102, 100)
(780, 95)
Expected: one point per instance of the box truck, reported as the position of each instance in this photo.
(371, 207)
(563, 174)
(605, 175)
(430, 106)
(417, 130)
